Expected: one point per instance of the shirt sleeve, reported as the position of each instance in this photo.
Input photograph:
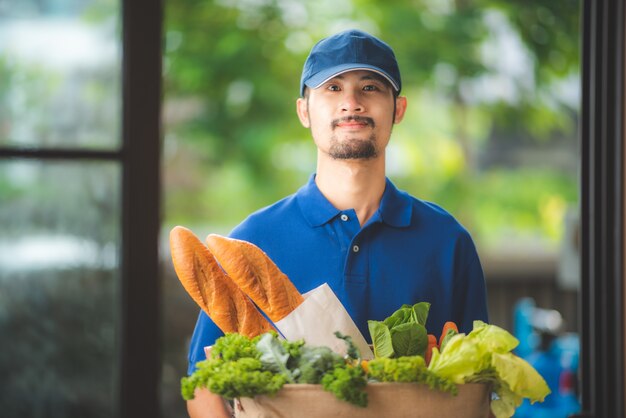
(470, 294)
(204, 335)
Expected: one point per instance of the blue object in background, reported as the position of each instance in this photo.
(523, 328)
(553, 354)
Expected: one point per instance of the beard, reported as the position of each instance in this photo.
(353, 148)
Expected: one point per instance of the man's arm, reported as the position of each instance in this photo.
(208, 405)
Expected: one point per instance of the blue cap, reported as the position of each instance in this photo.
(348, 51)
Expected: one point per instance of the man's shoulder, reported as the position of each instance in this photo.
(425, 212)
(430, 210)
(267, 218)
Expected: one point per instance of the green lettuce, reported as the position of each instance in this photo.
(401, 334)
(520, 377)
(381, 339)
(484, 355)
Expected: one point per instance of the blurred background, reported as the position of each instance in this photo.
(491, 134)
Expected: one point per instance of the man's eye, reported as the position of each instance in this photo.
(370, 88)
(333, 87)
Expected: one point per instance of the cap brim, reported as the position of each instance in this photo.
(323, 76)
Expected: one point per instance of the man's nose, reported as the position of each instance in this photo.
(351, 102)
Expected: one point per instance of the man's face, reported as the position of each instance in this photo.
(351, 115)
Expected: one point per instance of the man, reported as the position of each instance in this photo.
(377, 247)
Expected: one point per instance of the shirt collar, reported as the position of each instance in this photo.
(395, 206)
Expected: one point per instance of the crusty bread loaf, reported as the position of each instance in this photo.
(257, 275)
(211, 288)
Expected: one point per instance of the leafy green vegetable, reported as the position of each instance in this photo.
(519, 376)
(231, 379)
(274, 357)
(461, 359)
(493, 338)
(234, 346)
(420, 312)
(381, 339)
(401, 316)
(347, 383)
(449, 334)
(401, 334)
(408, 369)
(315, 362)
(233, 370)
(353, 351)
(243, 367)
(484, 355)
(293, 348)
(409, 339)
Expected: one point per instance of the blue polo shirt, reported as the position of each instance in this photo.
(409, 251)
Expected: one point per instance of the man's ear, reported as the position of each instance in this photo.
(302, 109)
(400, 109)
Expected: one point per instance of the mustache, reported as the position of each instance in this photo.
(354, 118)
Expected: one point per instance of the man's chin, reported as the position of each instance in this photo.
(353, 154)
(354, 149)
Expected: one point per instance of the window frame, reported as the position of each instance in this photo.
(139, 343)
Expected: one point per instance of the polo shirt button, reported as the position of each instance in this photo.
(355, 248)
(344, 217)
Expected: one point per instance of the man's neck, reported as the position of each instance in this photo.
(357, 185)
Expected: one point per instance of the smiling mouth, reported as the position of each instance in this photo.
(353, 125)
(353, 122)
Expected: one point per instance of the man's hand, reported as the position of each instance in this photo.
(208, 405)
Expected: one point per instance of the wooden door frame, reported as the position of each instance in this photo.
(140, 342)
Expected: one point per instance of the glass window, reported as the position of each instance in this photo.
(59, 279)
(60, 72)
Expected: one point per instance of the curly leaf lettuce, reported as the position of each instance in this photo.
(243, 367)
(230, 379)
(460, 359)
(484, 355)
(493, 338)
(348, 384)
(520, 377)
(408, 369)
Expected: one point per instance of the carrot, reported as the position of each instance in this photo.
(432, 342)
(448, 327)
(365, 366)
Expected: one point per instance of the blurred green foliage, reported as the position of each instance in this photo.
(492, 88)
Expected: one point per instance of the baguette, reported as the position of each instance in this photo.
(211, 288)
(257, 275)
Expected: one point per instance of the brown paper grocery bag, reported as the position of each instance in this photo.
(386, 400)
(317, 319)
